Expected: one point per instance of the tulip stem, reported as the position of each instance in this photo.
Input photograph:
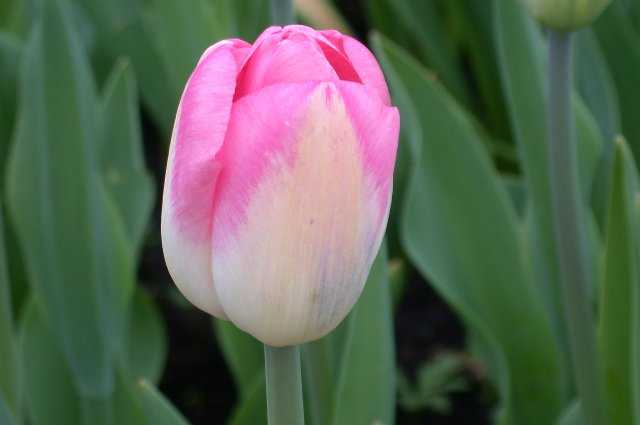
(284, 385)
(569, 227)
(282, 12)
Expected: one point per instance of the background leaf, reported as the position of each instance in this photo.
(157, 409)
(9, 366)
(252, 409)
(146, 346)
(491, 289)
(572, 415)
(121, 155)
(55, 198)
(6, 418)
(619, 297)
(620, 43)
(365, 393)
(9, 59)
(243, 353)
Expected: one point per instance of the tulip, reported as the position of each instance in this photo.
(566, 14)
(279, 181)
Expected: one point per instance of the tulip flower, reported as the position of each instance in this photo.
(566, 14)
(279, 181)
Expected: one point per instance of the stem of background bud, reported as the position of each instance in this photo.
(569, 227)
(284, 385)
(282, 12)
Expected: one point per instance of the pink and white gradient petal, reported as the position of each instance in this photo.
(192, 170)
(377, 127)
(295, 161)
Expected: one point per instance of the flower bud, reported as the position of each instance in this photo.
(279, 181)
(566, 14)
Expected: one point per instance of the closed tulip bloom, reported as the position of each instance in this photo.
(279, 181)
(566, 14)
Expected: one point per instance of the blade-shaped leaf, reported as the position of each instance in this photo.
(9, 366)
(55, 199)
(522, 64)
(6, 418)
(595, 83)
(181, 31)
(243, 353)
(252, 410)
(158, 92)
(9, 59)
(121, 155)
(617, 330)
(621, 47)
(146, 343)
(242, 18)
(365, 393)
(322, 363)
(51, 396)
(572, 415)
(425, 26)
(156, 408)
(448, 245)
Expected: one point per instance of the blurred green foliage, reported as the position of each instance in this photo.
(81, 342)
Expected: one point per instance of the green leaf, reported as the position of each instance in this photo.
(491, 289)
(9, 366)
(572, 415)
(6, 418)
(252, 409)
(9, 59)
(595, 83)
(50, 394)
(621, 47)
(474, 22)
(146, 346)
(245, 19)
(522, 75)
(156, 408)
(596, 86)
(11, 15)
(322, 362)
(619, 295)
(243, 353)
(365, 393)
(181, 31)
(522, 62)
(159, 94)
(56, 200)
(121, 155)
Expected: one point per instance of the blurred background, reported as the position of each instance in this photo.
(88, 92)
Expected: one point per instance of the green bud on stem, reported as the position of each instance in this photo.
(566, 15)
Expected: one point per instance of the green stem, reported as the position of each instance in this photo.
(282, 12)
(569, 227)
(284, 385)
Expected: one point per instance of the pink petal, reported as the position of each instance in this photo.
(333, 52)
(192, 171)
(284, 56)
(378, 127)
(363, 61)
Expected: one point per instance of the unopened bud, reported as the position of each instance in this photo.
(566, 14)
